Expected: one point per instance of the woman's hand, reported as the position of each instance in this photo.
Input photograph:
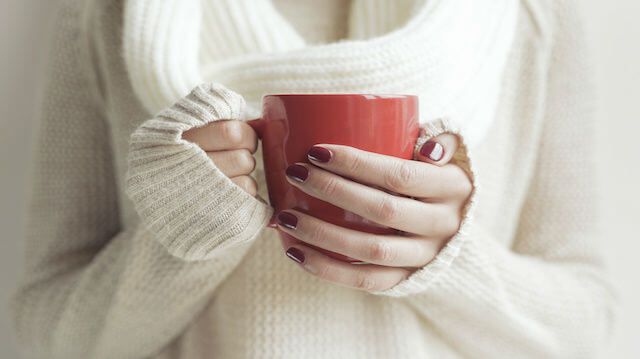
(439, 190)
(230, 145)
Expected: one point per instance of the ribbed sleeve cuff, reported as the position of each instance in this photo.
(420, 280)
(193, 209)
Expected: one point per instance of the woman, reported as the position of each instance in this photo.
(147, 232)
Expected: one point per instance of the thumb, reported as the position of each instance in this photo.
(439, 150)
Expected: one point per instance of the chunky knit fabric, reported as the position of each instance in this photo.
(450, 53)
(139, 247)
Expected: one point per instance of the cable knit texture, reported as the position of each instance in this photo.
(139, 247)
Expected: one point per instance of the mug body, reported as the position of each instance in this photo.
(293, 123)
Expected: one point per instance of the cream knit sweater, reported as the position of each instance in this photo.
(525, 281)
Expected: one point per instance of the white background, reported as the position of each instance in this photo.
(615, 35)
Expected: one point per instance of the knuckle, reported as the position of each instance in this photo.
(246, 182)
(386, 210)
(353, 161)
(246, 161)
(463, 186)
(452, 224)
(382, 251)
(400, 177)
(423, 249)
(240, 181)
(365, 281)
(231, 132)
(317, 234)
(253, 187)
(330, 187)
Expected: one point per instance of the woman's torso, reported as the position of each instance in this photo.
(268, 307)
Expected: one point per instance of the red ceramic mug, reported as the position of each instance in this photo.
(292, 123)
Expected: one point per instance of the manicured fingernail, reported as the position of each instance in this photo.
(433, 150)
(297, 172)
(319, 154)
(296, 255)
(288, 220)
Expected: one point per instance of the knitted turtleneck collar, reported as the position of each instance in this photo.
(451, 53)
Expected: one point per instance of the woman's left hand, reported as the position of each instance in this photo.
(379, 189)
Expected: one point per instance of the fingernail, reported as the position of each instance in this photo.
(297, 172)
(433, 150)
(296, 255)
(319, 154)
(288, 220)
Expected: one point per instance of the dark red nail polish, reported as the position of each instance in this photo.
(296, 255)
(288, 220)
(433, 150)
(319, 154)
(297, 172)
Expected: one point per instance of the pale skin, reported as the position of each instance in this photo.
(422, 199)
(230, 145)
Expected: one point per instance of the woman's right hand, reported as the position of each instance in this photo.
(230, 144)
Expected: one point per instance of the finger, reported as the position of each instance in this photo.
(439, 150)
(453, 186)
(367, 277)
(287, 240)
(247, 183)
(406, 214)
(406, 177)
(391, 250)
(233, 163)
(223, 135)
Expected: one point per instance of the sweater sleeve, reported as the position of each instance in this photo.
(194, 210)
(547, 296)
(90, 288)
